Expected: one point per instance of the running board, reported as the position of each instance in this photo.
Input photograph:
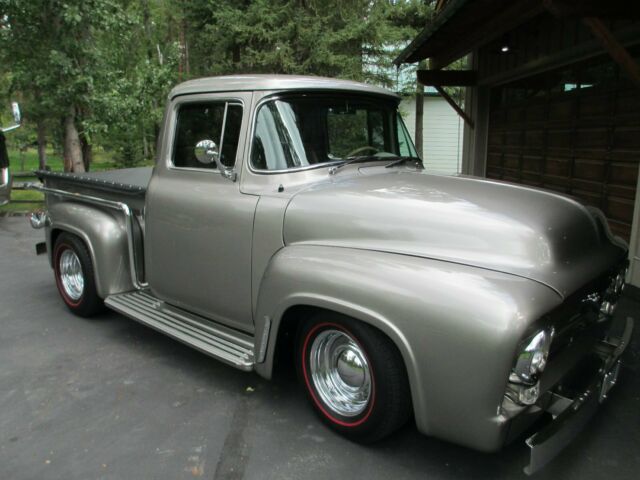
(227, 345)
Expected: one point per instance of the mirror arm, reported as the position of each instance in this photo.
(229, 173)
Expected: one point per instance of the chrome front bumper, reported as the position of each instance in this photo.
(570, 415)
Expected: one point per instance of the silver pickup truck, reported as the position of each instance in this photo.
(290, 217)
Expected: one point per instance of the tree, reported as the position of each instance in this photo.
(140, 66)
(335, 38)
(52, 47)
(94, 72)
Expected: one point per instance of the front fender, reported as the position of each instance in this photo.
(105, 237)
(456, 327)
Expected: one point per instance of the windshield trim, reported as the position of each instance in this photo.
(288, 94)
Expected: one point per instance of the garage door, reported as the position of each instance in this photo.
(575, 131)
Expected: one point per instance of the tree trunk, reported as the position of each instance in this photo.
(183, 61)
(87, 152)
(146, 21)
(42, 145)
(187, 67)
(145, 145)
(72, 148)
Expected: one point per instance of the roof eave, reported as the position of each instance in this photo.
(408, 54)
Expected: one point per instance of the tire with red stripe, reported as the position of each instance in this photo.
(354, 377)
(75, 278)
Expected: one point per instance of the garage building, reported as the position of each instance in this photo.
(552, 97)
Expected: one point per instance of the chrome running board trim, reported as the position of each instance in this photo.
(229, 346)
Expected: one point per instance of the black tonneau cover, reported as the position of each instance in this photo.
(125, 180)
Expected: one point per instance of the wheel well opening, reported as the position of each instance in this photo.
(284, 355)
(55, 233)
(284, 361)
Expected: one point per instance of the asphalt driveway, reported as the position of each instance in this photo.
(109, 398)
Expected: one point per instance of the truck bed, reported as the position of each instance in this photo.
(131, 181)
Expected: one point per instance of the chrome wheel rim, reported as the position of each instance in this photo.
(340, 372)
(71, 274)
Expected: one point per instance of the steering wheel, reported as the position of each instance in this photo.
(360, 150)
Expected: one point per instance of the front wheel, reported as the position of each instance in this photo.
(354, 377)
(75, 277)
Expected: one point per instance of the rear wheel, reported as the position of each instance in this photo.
(75, 277)
(354, 377)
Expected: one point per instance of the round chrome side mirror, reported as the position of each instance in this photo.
(206, 152)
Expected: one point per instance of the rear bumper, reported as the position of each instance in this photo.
(570, 415)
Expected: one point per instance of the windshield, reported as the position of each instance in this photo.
(303, 131)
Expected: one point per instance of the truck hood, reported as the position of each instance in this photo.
(508, 228)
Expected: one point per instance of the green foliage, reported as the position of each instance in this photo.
(140, 67)
(52, 47)
(88, 55)
(335, 38)
(112, 62)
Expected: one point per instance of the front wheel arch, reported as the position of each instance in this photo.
(288, 323)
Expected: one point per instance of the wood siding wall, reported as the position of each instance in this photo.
(584, 142)
(562, 115)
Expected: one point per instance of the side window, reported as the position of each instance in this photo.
(205, 121)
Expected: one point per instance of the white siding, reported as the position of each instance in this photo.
(442, 136)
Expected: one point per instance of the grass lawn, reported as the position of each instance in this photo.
(27, 161)
(23, 207)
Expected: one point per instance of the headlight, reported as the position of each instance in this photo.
(532, 359)
(612, 295)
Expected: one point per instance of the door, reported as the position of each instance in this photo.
(198, 223)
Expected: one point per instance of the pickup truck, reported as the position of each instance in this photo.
(290, 218)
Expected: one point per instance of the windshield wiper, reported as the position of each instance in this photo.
(360, 159)
(401, 160)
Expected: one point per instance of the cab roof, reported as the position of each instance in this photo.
(238, 83)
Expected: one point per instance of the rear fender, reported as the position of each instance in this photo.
(105, 237)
